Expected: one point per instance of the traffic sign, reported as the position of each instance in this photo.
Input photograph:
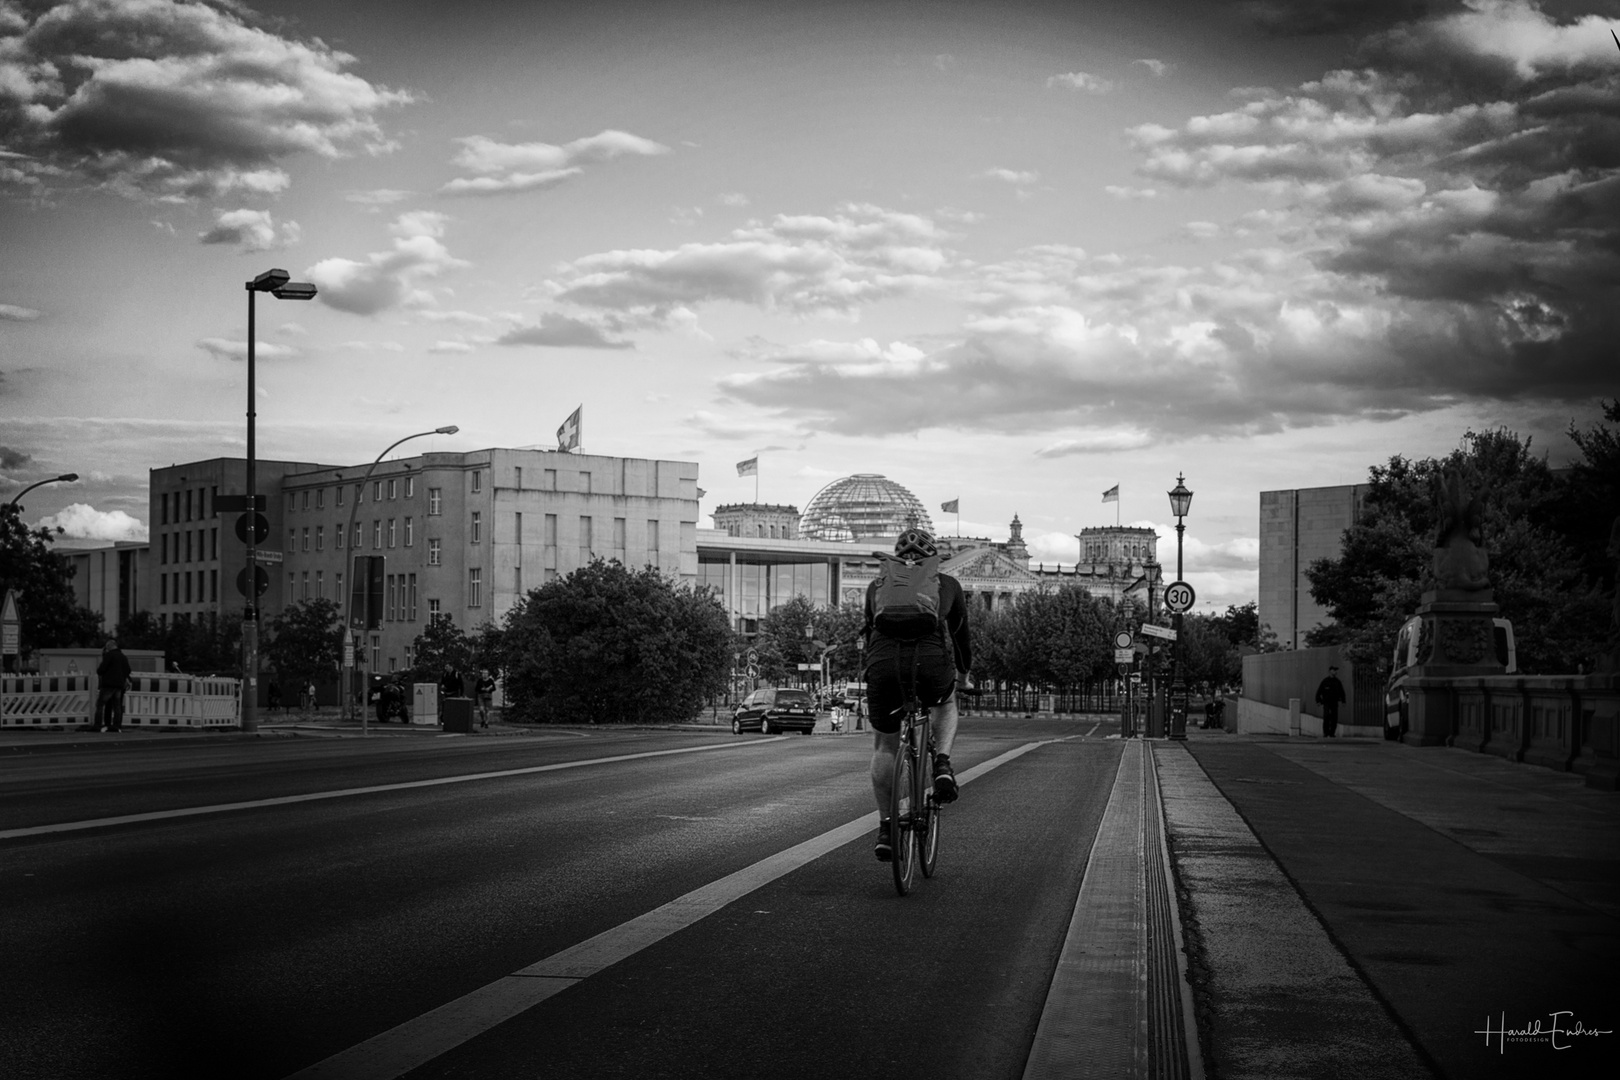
(753, 657)
(1158, 631)
(753, 672)
(261, 581)
(1122, 640)
(1179, 597)
(260, 526)
(1125, 669)
(348, 649)
(1124, 656)
(236, 504)
(10, 626)
(264, 556)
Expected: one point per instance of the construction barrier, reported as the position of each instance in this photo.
(177, 701)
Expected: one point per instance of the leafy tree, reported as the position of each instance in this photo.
(1242, 624)
(1046, 638)
(41, 582)
(1208, 655)
(206, 643)
(608, 644)
(303, 644)
(440, 648)
(1537, 573)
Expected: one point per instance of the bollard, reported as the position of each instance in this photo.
(1293, 716)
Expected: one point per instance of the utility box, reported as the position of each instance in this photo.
(457, 715)
(427, 703)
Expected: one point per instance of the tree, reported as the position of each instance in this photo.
(1208, 655)
(441, 647)
(204, 644)
(304, 642)
(41, 582)
(1046, 638)
(608, 644)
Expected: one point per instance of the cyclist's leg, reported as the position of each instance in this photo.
(883, 747)
(944, 719)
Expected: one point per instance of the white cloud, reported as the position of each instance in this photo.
(1012, 176)
(510, 167)
(451, 347)
(732, 198)
(1130, 193)
(386, 279)
(223, 349)
(250, 230)
(377, 197)
(1098, 442)
(83, 522)
(1158, 68)
(17, 313)
(560, 331)
(1080, 80)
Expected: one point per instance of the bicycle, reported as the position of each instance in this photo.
(914, 817)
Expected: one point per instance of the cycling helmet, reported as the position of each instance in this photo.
(915, 544)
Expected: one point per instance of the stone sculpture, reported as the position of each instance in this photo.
(1460, 564)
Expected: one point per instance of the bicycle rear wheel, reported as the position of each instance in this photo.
(928, 839)
(902, 835)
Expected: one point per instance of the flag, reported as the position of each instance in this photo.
(1112, 494)
(701, 493)
(952, 507)
(568, 434)
(749, 467)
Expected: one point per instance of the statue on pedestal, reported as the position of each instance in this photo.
(1459, 562)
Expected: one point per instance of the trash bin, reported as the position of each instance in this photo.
(457, 715)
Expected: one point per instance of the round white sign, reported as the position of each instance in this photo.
(1122, 640)
(1179, 597)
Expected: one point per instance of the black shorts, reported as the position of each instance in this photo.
(892, 667)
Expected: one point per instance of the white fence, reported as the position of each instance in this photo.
(176, 701)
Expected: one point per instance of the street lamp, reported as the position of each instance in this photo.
(348, 598)
(276, 283)
(1180, 503)
(65, 478)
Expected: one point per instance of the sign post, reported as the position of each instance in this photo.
(10, 627)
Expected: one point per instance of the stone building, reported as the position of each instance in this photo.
(758, 519)
(1297, 527)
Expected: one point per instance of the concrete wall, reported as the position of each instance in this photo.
(1297, 527)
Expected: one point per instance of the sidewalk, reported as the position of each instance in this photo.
(1370, 910)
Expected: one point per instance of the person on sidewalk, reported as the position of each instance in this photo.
(112, 679)
(1328, 695)
(486, 696)
(275, 696)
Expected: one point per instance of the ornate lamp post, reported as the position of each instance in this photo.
(1180, 503)
(278, 285)
(347, 540)
(65, 478)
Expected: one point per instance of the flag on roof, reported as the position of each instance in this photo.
(1112, 494)
(749, 467)
(952, 507)
(568, 434)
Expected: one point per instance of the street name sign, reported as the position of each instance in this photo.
(1158, 631)
(261, 555)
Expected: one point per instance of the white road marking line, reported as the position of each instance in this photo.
(1093, 730)
(418, 1041)
(315, 796)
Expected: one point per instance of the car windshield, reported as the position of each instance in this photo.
(793, 697)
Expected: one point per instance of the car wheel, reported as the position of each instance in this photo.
(736, 726)
(764, 726)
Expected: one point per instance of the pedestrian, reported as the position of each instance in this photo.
(1328, 695)
(309, 696)
(450, 684)
(486, 697)
(275, 696)
(112, 679)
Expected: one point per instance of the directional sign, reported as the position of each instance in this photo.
(261, 581)
(261, 555)
(1122, 640)
(1179, 597)
(1124, 656)
(1158, 631)
(348, 649)
(260, 526)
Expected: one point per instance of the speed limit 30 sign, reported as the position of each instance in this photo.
(1179, 597)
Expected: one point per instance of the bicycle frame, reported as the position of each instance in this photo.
(914, 817)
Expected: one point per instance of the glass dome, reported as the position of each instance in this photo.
(860, 506)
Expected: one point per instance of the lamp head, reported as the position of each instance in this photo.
(1180, 498)
(297, 290)
(68, 478)
(269, 281)
(448, 429)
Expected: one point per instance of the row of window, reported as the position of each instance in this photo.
(393, 487)
(1101, 553)
(177, 588)
(171, 505)
(206, 546)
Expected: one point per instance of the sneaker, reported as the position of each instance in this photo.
(884, 848)
(945, 790)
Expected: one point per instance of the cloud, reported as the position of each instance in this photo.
(560, 331)
(509, 167)
(82, 522)
(13, 459)
(377, 197)
(944, 62)
(803, 264)
(14, 313)
(1130, 193)
(386, 279)
(1157, 68)
(732, 198)
(1098, 442)
(1012, 176)
(1079, 80)
(451, 347)
(167, 100)
(250, 230)
(222, 349)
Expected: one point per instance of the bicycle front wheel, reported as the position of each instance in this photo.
(928, 826)
(902, 835)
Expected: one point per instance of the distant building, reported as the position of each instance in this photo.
(111, 579)
(758, 519)
(1297, 527)
(862, 506)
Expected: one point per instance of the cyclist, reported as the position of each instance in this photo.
(925, 661)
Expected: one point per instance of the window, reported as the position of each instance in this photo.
(652, 539)
(517, 477)
(389, 614)
(163, 513)
(376, 651)
(213, 542)
(292, 585)
(337, 537)
(585, 482)
(585, 539)
(407, 656)
(393, 488)
(320, 498)
(410, 486)
(550, 533)
(163, 548)
(356, 538)
(306, 500)
(391, 664)
(392, 530)
(477, 525)
(320, 584)
(433, 611)
(618, 537)
(517, 538)
(475, 587)
(359, 493)
(188, 545)
(306, 539)
(292, 501)
(376, 535)
(187, 576)
(548, 480)
(213, 586)
(188, 504)
(320, 538)
(408, 532)
(163, 588)
(433, 552)
(292, 539)
(412, 580)
(337, 495)
(337, 587)
(517, 580)
(306, 585)
(376, 491)
(477, 481)
(435, 500)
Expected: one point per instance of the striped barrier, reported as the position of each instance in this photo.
(176, 701)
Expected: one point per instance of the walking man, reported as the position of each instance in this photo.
(112, 678)
(1328, 695)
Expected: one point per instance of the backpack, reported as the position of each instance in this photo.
(907, 602)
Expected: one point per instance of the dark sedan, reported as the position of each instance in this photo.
(766, 711)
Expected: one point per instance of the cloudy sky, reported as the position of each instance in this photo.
(1013, 253)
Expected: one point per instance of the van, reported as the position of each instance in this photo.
(1407, 656)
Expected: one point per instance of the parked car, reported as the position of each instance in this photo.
(1411, 649)
(775, 709)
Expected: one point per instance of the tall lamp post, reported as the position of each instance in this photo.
(65, 478)
(278, 284)
(348, 598)
(1180, 503)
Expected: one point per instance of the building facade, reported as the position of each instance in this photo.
(111, 580)
(758, 519)
(1297, 527)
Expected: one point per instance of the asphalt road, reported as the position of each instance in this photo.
(261, 940)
